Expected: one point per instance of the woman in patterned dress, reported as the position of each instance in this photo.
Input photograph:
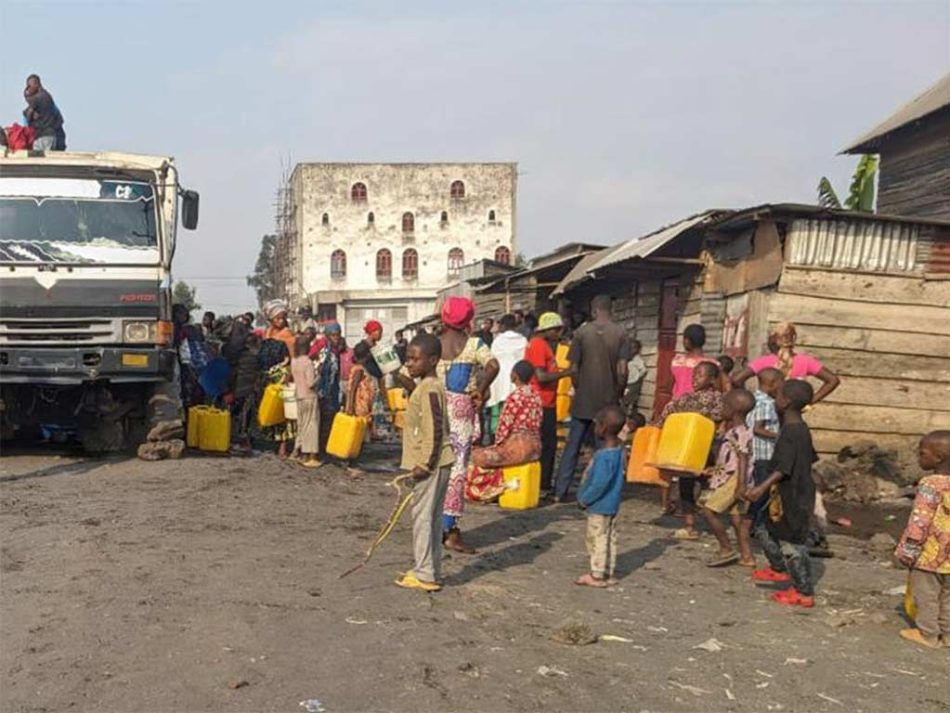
(467, 368)
(517, 439)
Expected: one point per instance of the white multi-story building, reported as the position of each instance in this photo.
(377, 241)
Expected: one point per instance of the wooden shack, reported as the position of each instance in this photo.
(529, 288)
(870, 295)
(914, 146)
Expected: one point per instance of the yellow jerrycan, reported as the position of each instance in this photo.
(346, 436)
(193, 434)
(396, 398)
(215, 432)
(525, 490)
(684, 443)
(271, 410)
(643, 451)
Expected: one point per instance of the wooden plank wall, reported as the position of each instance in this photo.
(887, 337)
(914, 179)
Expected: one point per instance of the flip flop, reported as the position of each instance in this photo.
(684, 534)
(750, 565)
(724, 560)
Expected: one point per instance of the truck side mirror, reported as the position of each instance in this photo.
(189, 209)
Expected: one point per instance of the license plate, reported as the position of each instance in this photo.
(135, 360)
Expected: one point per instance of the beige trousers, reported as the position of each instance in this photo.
(602, 544)
(932, 598)
(428, 497)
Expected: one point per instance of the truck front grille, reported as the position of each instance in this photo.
(50, 332)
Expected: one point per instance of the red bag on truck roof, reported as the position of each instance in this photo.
(20, 138)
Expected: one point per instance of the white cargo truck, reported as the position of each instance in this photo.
(86, 337)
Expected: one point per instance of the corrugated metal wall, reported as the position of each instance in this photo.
(874, 246)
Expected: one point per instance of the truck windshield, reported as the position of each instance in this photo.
(77, 221)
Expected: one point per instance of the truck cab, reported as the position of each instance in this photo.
(86, 336)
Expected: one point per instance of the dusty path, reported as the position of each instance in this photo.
(130, 586)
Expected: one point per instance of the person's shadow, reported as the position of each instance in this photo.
(518, 522)
(516, 554)
(630, 561)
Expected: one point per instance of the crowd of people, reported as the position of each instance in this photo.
(484, 399)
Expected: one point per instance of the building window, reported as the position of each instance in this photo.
(370, 218)
(325, 220)
(444, 218)
(491, 217)
(456, 259)
(384, 265)
(503, 255)
(358, 192)
(410, 264)
(338, 265)
(457, 190)
(408, 223)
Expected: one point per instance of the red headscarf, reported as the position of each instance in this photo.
(372, 326)
(457, 312)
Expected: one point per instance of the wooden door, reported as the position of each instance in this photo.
(666, 344)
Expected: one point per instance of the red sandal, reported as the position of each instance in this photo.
(791, 598)
(770, 575)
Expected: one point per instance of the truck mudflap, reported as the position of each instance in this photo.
(19, 365)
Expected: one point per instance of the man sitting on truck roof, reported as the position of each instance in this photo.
(43, 116)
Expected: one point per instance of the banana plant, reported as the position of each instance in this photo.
(860, 193)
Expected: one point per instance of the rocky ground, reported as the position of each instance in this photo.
(212, 584)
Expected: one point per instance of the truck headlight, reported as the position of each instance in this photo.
(139, 332)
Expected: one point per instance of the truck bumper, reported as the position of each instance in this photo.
(64, 366)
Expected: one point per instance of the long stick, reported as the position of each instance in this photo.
(402, 501)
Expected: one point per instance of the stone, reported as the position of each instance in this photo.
(166, 431)
(161, 450)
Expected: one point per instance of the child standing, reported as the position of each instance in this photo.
(361, 390)
(792, 499)
(427, 454)
(729, 479)
(600, 496)
(925, 545)
(764, 424)
(308, 415)
(705, 399)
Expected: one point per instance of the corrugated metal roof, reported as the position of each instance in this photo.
(933, 99)
(648, 244)
(853, 244)
(579, 272)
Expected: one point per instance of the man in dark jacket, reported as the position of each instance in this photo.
(43, 116)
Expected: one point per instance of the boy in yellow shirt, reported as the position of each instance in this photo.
(427, 454)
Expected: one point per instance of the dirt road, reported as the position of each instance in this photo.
(212, 585)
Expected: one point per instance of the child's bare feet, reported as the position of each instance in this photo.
(612, 581)
(589, 580)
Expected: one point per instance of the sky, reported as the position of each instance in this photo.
(622, 116)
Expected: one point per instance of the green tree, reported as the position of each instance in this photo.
(861, 192)
(184, 294)
(264, 277)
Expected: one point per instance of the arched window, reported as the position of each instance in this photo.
(444, 218)
(338, 265)
(457, 189)
(384, 264)
(503, 255)
(358, 192)
(491, 217)
(456, 259)
(325, 220)
(410, 264)
(370, 218)
(408, 223)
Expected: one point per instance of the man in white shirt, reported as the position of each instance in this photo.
(508, 348)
